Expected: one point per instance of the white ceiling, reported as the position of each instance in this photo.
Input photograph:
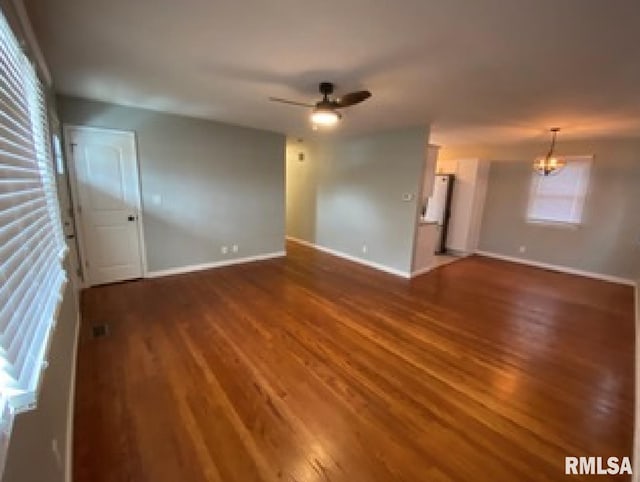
(494, 70)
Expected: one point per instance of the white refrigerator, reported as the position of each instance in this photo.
(438, 207)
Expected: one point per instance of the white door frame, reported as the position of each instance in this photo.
(66, 129)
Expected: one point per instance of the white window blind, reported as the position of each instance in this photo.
(559, 198)
(31, 240)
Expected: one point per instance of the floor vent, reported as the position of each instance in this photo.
(98, 331)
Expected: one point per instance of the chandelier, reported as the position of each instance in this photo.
(549, 164)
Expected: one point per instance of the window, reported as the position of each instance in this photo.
(559, 198)
(31, 240)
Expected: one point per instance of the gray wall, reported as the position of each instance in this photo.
(348, 192)
(219, 184)
(607, 242)
(31, 457)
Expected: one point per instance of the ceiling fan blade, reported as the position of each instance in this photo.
(352, 98)
(292, 102)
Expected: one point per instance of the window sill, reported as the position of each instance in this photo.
(554, 224)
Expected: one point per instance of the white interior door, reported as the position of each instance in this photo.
(107, 203)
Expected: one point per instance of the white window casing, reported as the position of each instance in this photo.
(32, 244)
(559, 198)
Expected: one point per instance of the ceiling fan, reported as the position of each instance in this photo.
(325, 111)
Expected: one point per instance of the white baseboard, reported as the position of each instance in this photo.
(215, 264)
(71, 405)
(355, 259)
(418, 272)
(561, 269)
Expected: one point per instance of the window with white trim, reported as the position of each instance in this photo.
(32, 245)
(559, 198)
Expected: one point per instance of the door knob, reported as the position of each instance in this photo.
(131, 218)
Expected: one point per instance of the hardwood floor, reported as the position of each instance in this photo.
(311, 368)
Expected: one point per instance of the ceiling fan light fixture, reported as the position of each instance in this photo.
(549, 164)
(324, 117)
(326, 112)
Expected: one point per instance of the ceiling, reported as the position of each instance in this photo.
(477, 70)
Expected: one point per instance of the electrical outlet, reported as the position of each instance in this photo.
(522, 249)
(364, 248)
(224, 250)
(407, 196)
(234, 248)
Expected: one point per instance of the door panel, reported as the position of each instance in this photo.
(107, 202)
(104, 167)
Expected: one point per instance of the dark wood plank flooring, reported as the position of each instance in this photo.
(311, 368)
